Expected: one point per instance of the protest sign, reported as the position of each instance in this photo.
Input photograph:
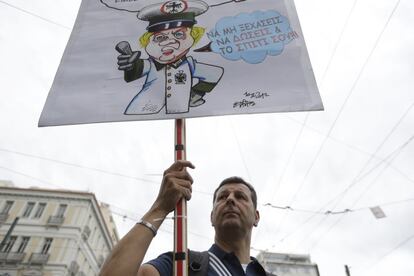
(150, 59)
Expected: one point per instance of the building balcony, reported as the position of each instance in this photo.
(86, 232)
(55, 221)
(15, 257)
(3, 217)
(11, 258)
(39, 258)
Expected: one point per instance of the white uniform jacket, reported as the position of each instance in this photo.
(170, 86)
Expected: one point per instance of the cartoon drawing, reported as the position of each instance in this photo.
(173, 80)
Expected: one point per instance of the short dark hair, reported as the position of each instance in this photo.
(237, 180)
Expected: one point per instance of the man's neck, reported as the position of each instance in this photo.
(241, 247)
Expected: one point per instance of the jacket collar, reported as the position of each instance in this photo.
(175, 64)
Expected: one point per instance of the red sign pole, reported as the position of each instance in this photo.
(180, 257)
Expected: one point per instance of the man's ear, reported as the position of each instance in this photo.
(211, 218)
(257, 219)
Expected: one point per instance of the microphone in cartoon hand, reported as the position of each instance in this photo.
(127, 57)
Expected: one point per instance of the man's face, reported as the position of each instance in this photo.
(170, 45)
(234, 208)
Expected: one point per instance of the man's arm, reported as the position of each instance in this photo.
(127, 256)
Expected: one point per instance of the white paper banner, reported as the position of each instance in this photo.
(151, 59)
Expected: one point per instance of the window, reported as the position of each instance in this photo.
(28, 210)
(23, 244)
(40, 208)
(61, 210)
(7, 207)
(9, 244)
(46, 245)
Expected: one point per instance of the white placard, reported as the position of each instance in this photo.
(148, 59)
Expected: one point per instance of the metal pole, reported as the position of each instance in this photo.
(180, 257)
(8, 234)
(347, 270)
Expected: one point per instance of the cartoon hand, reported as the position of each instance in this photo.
(127, 57)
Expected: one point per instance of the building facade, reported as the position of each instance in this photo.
(53, 232)
(288, 264)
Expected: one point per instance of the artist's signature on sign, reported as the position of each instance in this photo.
(244, 103)
(250, 99)
(255, 95)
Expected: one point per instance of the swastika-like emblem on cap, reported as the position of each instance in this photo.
(175, 6)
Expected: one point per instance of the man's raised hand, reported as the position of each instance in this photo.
(176, 184)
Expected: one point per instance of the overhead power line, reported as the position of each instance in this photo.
(355, 180)
(357, 200)
(394, 155)
(382, 257)
(350, 92)
(30, 177)
(332, 212)
(379, 147)
(281, 177)
(352, 147)
(121, 214)
(35, 15)
(339, 40)
(77, 165)
(339, 195)
(240, 151)
(124, 216)
(343, 106)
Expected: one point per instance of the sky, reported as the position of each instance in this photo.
(356, 154)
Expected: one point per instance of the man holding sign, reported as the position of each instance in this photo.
(233, 217)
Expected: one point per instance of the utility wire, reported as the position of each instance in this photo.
(346, 101)
(282, 175)
(299, 227)
(355, 180)
(31, 177)
(344, 104)
(382, 257)
(353, 147)
(308, 114)
(282, 220)
(331, 212)
(77, 165)
(339, 40)
(355, 202)
(395, 154)
(114, 212)
(240, 150)
(124, 216)
(35, 15)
